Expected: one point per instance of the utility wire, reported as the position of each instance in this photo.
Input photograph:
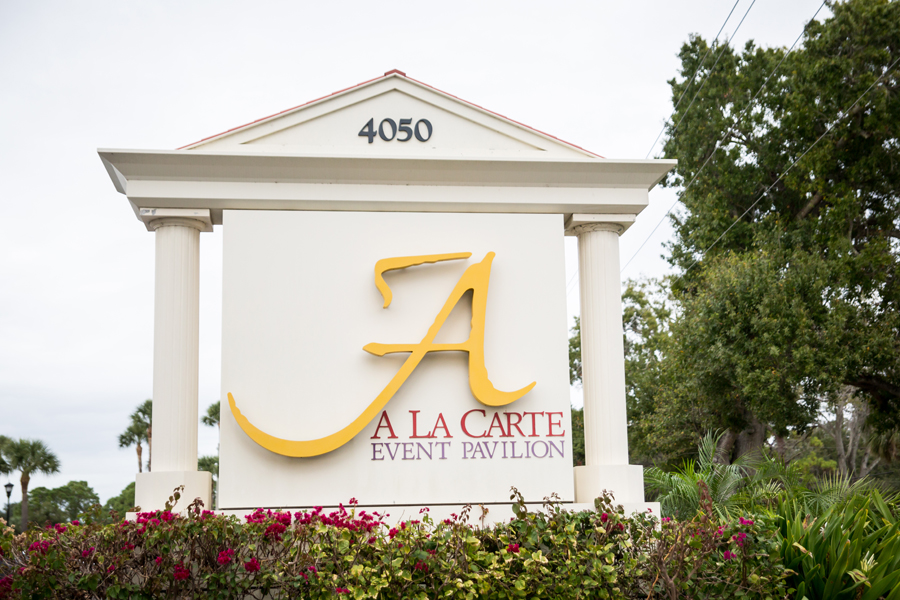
(724, 138)
(688, 86)
(711, 69)
(841, 116)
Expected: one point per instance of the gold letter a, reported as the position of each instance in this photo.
(475, 278)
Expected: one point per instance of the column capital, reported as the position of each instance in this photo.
(583, 223)
(197, 218)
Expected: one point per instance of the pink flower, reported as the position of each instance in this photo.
(739, 538)
(181, 572)
(158, 559)
(620, 527)
(251, 566)
(76, 522)
(729, 555)
(514, 548)
(275, 530)
(312, 569)
(111, 568)
(604, 518)
(283, 517)
(666, 519)
(423, 510)
(392, 532)
(745, 521)
(341, 590)
(60, 528)
(42, 546)
(371, 540)
(128, 547)
(353, 502)
(88, 552)
(420, 566)
(225, 556)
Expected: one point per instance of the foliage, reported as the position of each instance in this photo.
(210, 464)
(577, 437)
(122, 503)
(548, 554)
(575, 352)
(27, 457)
(211, 418)
(679, 491)
(58, 505)
(4, 465)
(140, 429)
(752, 483)
(134, 435)
(850, 551)
(802, 296)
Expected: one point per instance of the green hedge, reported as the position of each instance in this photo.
(352, 553)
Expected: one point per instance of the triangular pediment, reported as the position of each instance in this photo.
(332, 125)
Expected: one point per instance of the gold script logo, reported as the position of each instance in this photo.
(475, 278)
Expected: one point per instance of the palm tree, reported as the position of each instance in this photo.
(4, 465)
(211, 418)
(141, 428)
(134, 435)
(27, 457)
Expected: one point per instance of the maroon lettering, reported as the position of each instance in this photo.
(384, 419)
(551, 424)
(510, 424)
(462, 423)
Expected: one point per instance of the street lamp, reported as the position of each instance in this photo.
(9, 487)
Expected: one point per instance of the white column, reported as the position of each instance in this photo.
(603, 365)
(602, 349)
(176, 342)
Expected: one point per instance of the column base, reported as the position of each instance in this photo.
(152, 490)
(625, 482)
(630, 508)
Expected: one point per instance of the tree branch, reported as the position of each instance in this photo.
(817, 197)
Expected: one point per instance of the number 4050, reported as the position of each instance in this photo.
(388, 129)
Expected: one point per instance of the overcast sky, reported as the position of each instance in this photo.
(76, 267)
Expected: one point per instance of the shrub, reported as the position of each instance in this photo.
(553, 553)
(850, 551)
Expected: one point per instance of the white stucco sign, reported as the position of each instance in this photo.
(394, 311)
(299, 307)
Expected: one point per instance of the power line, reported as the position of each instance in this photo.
(687, 87)
(724, 137)
(706, 79)
(841, 116)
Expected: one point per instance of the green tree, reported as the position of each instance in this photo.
(27, 457)
(122, 503)
(210, 464)
(133, 436)
(211, 418)
(802, 296)
(140, 430)
(4, 464)
(58, 505)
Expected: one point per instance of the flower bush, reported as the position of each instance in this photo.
(316, 554)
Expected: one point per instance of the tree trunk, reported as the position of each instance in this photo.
(139, 452)
(725, 447)
(837, 433)
(750, 439)
(149, 447)
(23, 521)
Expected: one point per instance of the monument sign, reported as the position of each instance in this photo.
(394, 311)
